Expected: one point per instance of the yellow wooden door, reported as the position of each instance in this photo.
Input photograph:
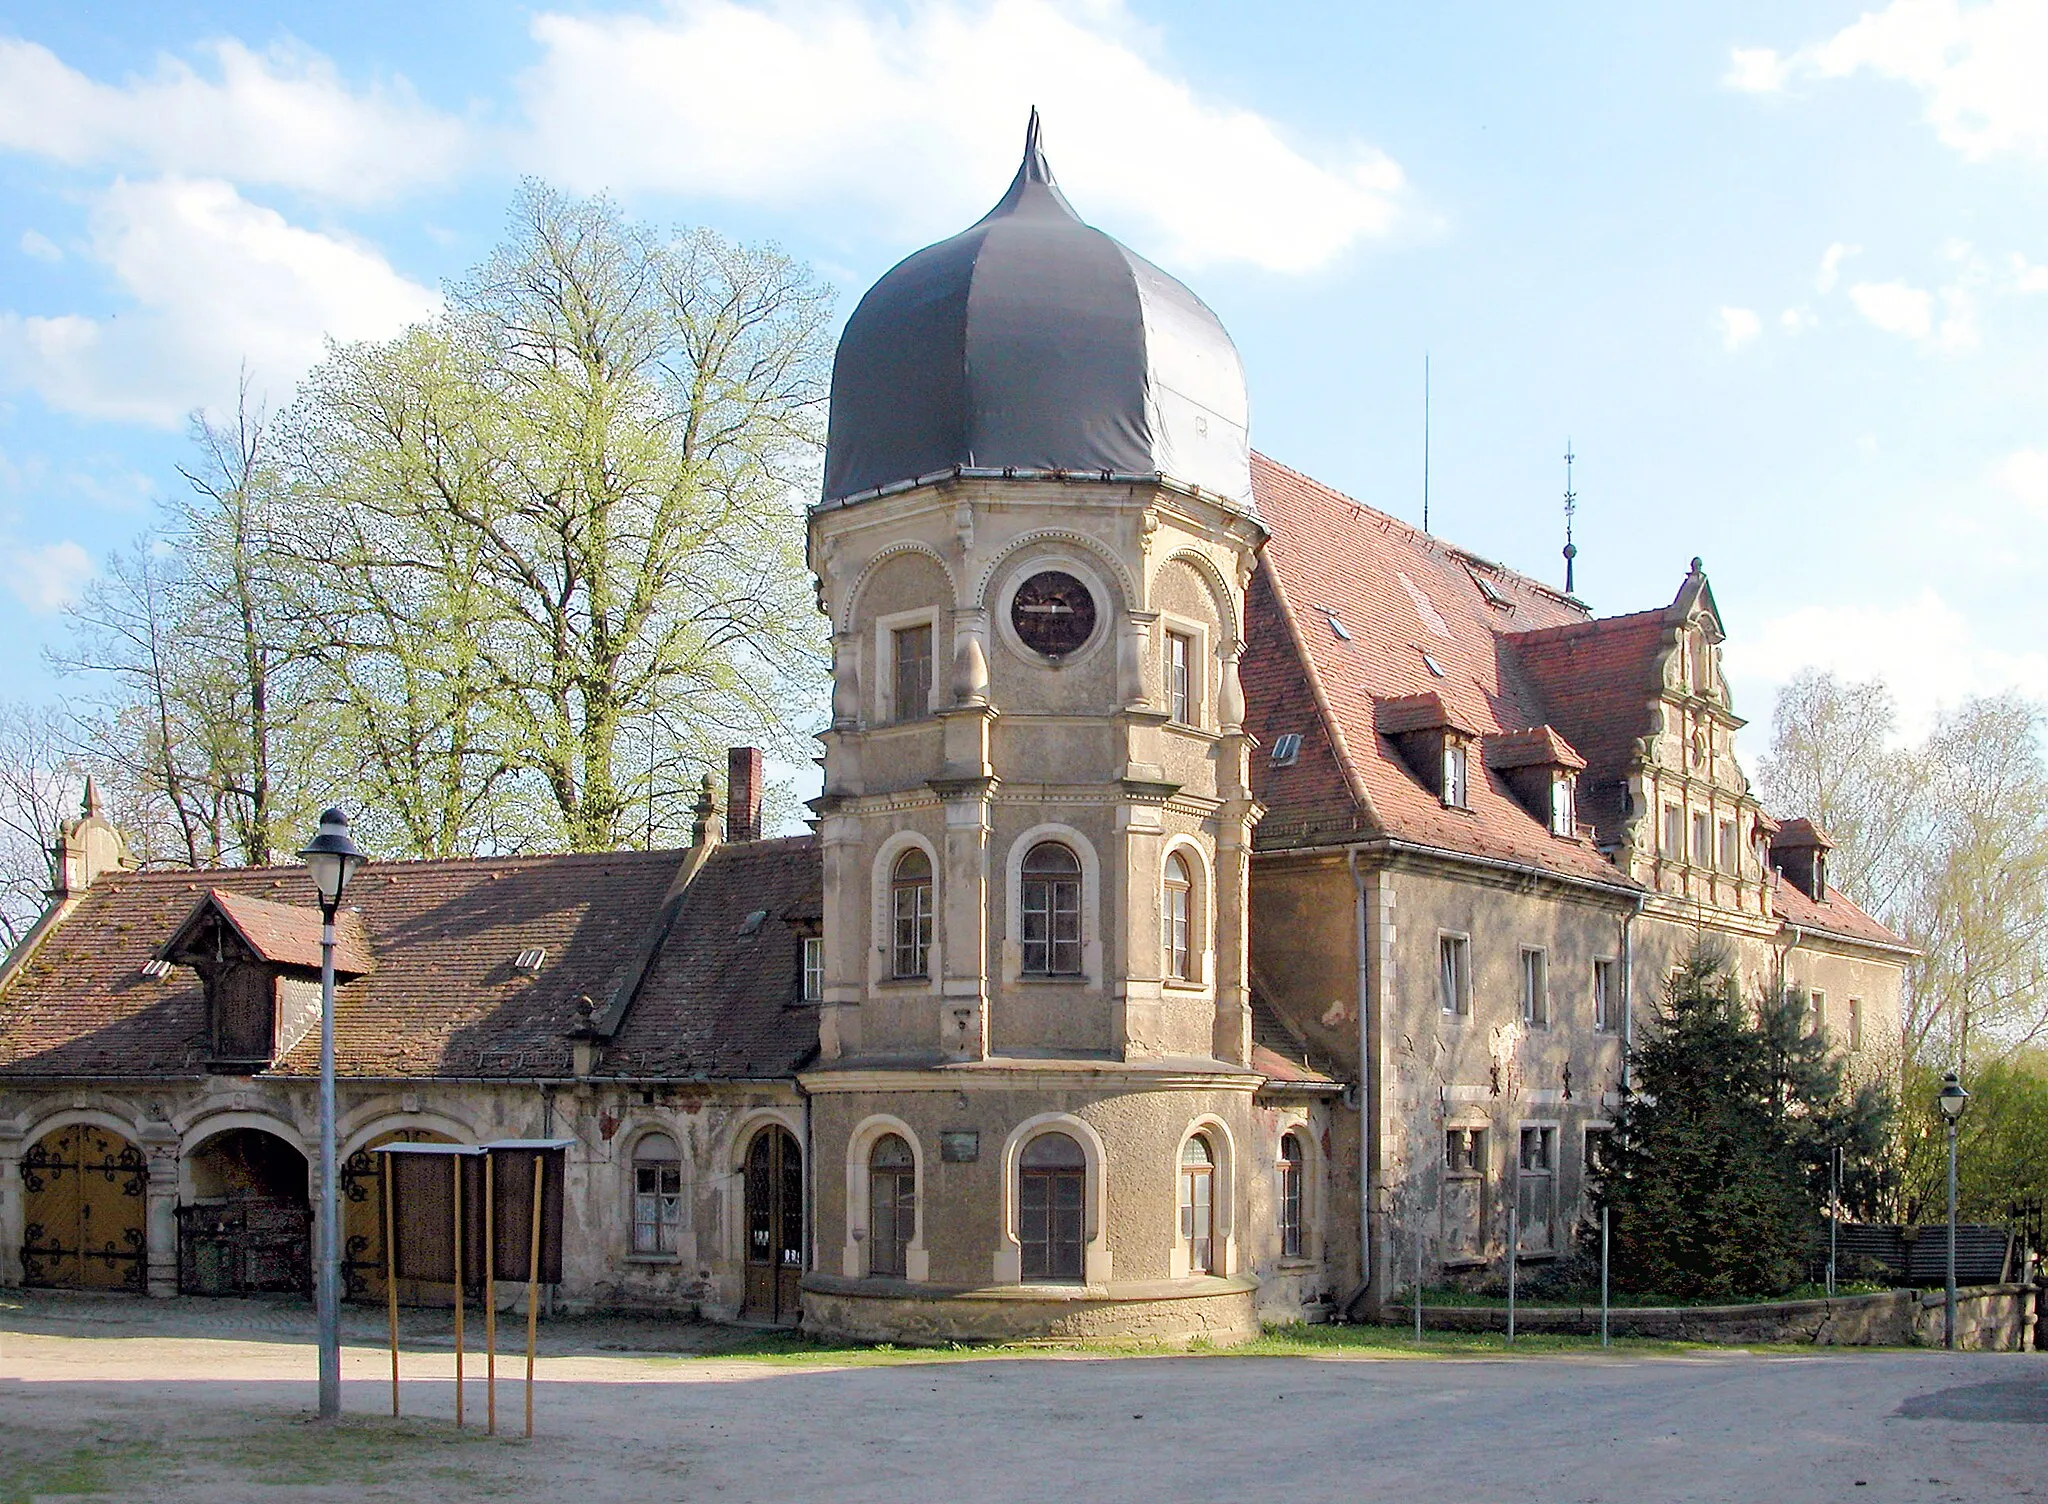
(87, 1199)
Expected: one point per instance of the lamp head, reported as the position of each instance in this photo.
(1952, 1099)
(331, 858)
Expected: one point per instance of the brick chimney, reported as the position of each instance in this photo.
(743, 794)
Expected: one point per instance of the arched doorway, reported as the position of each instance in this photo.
(775, 1226)
(87, 1195)
(248, 1226)
(362, 1224)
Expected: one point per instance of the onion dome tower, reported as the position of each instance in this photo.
(1034, 343)
(1034, 542)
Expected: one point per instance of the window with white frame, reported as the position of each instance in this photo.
(1594, 1148)
(1535, 987)
(1606, 996)
(1855, 1023)
(1674, 833)
(814, 968)
(657, 1194)
(1564, 815)
(1702, 830)
(911, 647)
(910, 911)
(1051, 1208)
(1177, 918)
(1454, 975)
(1731, 848)
(1180, 686)
(1455, 775)
(892, 1206)
(1050, 909)
(1198, 1204)
(1817, 1014)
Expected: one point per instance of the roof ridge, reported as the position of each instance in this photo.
(1589, 625)
(1427, 540)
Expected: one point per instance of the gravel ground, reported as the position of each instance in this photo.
(207, 1401)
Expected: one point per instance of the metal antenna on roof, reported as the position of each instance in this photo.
(1425, 443)
(1571, 507)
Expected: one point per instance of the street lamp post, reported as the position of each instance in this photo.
(331, 859)
(1951, 1100)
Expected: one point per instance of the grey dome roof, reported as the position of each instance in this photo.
(1035, 342)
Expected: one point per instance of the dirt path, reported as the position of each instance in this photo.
(130, 1415)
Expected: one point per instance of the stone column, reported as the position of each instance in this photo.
(12, 1210)
(160, 1218)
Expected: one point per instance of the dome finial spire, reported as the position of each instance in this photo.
(1035, 168)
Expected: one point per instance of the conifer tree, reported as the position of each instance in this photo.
(1715, 1173)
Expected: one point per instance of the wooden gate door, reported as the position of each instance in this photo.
(362, 1225)
(775, 1226)
(87, 1193)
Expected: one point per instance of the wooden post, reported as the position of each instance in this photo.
(533, 1284)
(490, 1297)
(455, 1165)
(391, 1276)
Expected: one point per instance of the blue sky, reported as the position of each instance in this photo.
(1780, 272)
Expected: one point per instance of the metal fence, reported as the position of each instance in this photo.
(245, 1248)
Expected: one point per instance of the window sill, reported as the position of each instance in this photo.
(1296, 1264)
(1062, 979)
(1174, 984)
(905, 984)
(656, 1259)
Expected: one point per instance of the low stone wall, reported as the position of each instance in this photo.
(1222, 1311)
(1996, 1318)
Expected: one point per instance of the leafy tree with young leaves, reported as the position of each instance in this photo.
(1715, 1171)
(551, 539)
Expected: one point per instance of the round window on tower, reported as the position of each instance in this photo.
(1053, 614)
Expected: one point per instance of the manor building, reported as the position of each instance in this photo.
(1222, 897)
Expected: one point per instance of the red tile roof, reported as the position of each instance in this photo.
(1534, 747)
(1406, 601)
(1836, 915)
(1598, 681)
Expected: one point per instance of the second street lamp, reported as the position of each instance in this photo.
(1951, 1100)
(331, 859)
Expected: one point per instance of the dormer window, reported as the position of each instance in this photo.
(1799, 850)
(813, 968)
(1454, 790)
(1541, 769)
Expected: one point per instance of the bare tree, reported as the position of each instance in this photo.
(1834, 760)
(40, 784)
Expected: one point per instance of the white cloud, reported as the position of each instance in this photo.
(282, 117)
(2027, 277)
(1925, 649)
(215, 281)
(1895, 307)
(48, 578)
(1798, 320)
(1831, 265)
(39, 247)
(1755, 70)
(1738, 327)
(1979, 68)
(920, 116)
(2023, 475)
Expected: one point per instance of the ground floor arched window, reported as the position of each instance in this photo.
(892, 1206)
(657, 1194)
(1198, 1204)
(1051, 1197)
(1289, 1169)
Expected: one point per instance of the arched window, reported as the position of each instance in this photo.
(1050, 1198)
(910, 907)
(1198, 1204)
(1177, 912)
(657, 1194)
(1290, 1196)
(1051, 910)
(892, 1205)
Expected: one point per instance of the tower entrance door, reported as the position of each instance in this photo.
(775, 1226)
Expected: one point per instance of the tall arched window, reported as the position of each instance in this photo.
(910, 907)
(1290, 1196)
(657, 1194)
(892, 1205)
(1051, 911)
(1177, 913)
(1198, 1204)
(1051, 1195)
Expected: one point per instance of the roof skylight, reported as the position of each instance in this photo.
(1431, 664)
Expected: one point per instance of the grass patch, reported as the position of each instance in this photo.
(64, 1468)
(362, 1450)
(1588, 1298)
